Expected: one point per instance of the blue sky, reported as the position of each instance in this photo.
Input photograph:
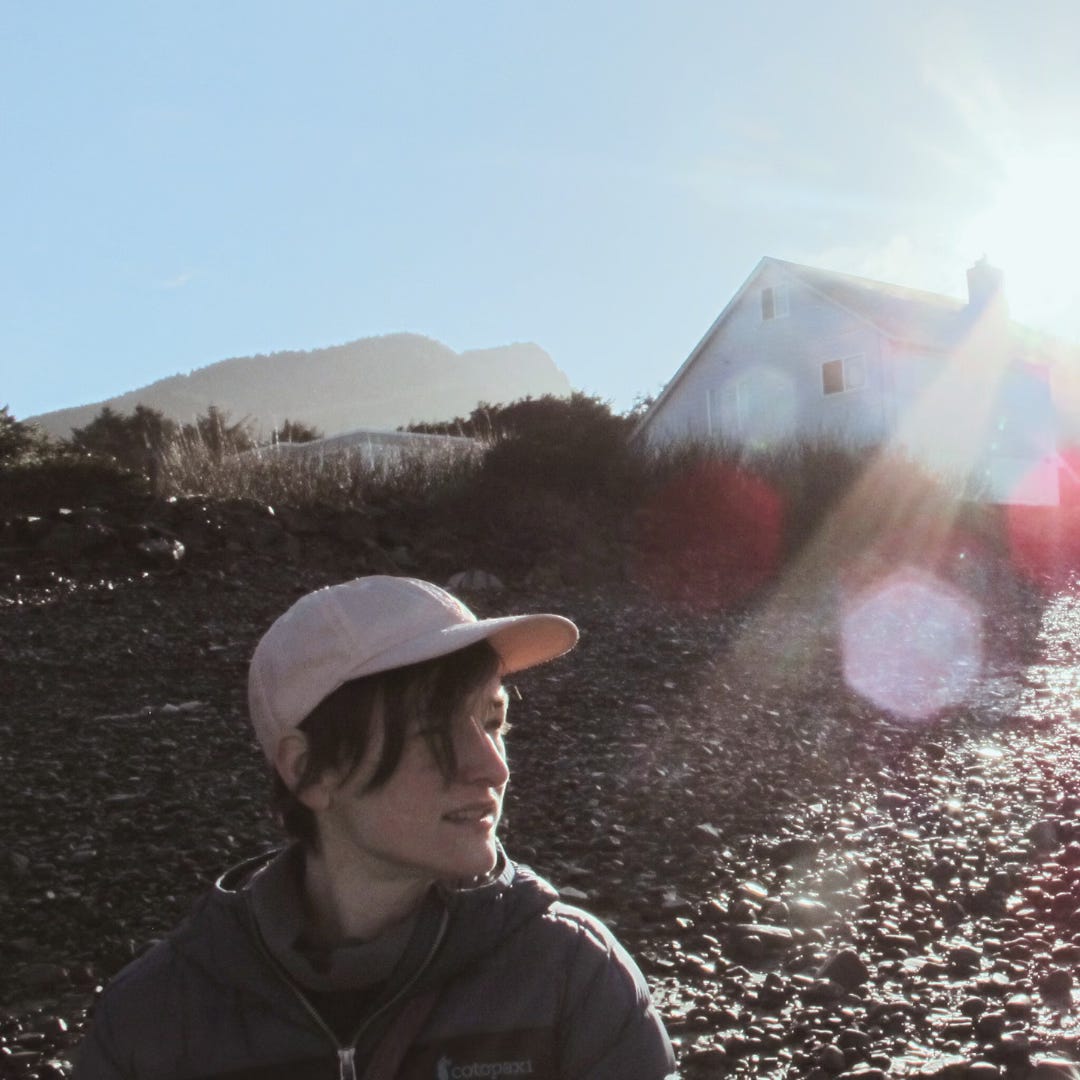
(187, 182)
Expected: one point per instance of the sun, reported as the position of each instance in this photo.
(1030, 227)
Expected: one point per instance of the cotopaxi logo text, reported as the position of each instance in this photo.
(445, 1069)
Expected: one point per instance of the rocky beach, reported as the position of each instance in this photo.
(813, 886)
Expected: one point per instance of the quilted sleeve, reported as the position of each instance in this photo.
(97, 1057)
(609, 1028)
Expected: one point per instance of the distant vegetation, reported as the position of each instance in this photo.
(559, 478)
(18, 440)
(374, 382)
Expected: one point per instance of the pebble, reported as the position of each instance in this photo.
(845, 968)
(1051, 1068)
(1056, 982)
(1018, 1005)
(989, 1025)
(809, 913)
(832, 1059)
(1014, 1046)
(965, 957)
(1044, 834)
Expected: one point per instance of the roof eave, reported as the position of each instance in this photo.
(675, 379)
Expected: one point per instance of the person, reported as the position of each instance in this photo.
(392, 937)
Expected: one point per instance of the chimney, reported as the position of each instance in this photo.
(986, 287)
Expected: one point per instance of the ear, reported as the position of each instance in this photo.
(290, 760)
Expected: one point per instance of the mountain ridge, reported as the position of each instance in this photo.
(382, 381)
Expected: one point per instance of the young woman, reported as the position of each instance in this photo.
(392, 937)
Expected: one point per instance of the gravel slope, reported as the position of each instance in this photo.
(812, 888)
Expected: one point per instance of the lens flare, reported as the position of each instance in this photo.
(711, 536)
(912, 644)
(1044, 541)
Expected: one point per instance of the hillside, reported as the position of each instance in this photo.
(377, 382)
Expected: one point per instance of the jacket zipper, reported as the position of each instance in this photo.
(443, 923)
(347, 1054)
(347, 1062)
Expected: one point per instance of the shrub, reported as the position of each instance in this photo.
(295, 431)
(17, 438)
(813, 477)
(711, 533)
(573, 444)
(60, 478)
(133, 443)
(718, 521)
(216, 436)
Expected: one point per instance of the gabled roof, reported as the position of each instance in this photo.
(924, 319)
(911, 315)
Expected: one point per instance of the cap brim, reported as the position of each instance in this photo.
(522, 641)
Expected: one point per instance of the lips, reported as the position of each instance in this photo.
(473, 813)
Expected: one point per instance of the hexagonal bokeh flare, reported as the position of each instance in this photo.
(912, 644)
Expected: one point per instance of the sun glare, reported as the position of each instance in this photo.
(1031, 228)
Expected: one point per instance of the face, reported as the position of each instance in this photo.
(420, 824)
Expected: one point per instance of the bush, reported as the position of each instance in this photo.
(18, 439)
(216, 436)
(62, 479)
(133, 443)
(718, 521)
(711, 533)
(813, 478)
(295, 431)
(574, 444)
(553, 487)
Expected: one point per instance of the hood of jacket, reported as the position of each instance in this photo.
(221, 937)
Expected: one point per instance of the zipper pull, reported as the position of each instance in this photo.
(347, 1062)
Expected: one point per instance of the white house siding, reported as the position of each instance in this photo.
(999, 430)
(972, 398)
(1021, 461)
(376, 447)
(757, 382)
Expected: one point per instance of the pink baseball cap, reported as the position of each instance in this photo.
(374, 624)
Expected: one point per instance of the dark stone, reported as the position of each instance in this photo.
(1056, 982)
(845, 968)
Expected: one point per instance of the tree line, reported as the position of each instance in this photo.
(135, 441)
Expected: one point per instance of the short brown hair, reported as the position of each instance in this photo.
(340, 727)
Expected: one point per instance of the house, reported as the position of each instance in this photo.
(373, 447)
(804, 353)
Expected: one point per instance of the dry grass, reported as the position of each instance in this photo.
(341, 480)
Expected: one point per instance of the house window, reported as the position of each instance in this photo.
(756, 407)
(840, 375)
(774, 302)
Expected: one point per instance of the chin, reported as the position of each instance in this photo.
(474, 865)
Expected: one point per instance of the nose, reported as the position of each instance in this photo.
(481, 757)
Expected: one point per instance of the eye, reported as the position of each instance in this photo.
(498, 725)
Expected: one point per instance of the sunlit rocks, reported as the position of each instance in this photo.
(912, 644)
(1053, 1068)
(838, 835)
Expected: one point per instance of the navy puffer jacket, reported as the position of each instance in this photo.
(525, 985)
